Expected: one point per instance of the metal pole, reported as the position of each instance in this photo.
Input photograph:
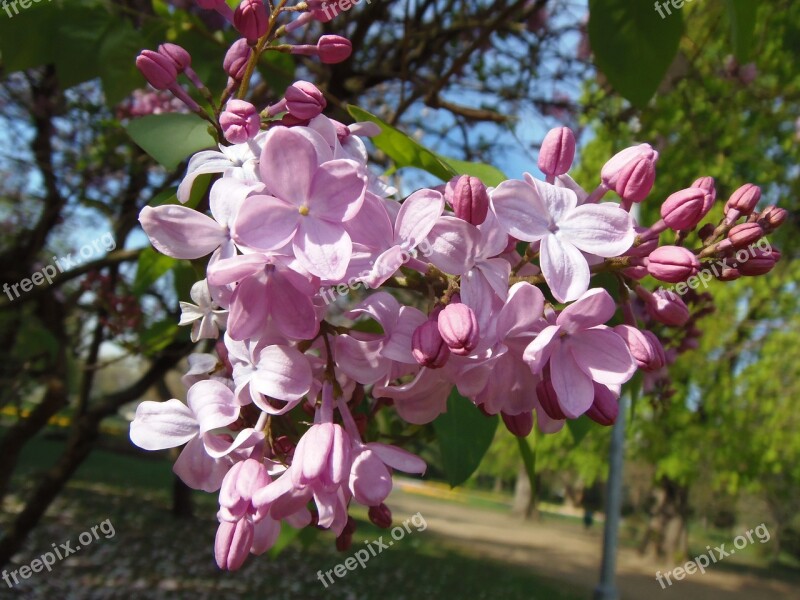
(607, 588)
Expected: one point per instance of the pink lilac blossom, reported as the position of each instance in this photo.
(497, 301)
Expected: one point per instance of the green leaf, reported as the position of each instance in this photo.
(170, 138)
(465, 435)
(277, 68)
(116, 58)
(402, 149)
(579, 428)
(160, 335)
(286, 537)
(633, 45)
(152, 266)
(489, 175)
(742, 14)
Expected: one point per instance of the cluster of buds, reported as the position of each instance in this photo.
(513, 320)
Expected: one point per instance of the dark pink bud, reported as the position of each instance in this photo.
(239, 121)
(334, 49)
(520, 425)
(459, 328)
(773, 217)
(381, 516)
(304, 100)
(179, 57)
(637, 272)
(672, 264)
(729, 274)
(744, 234)
(557, 152)
(469, 199)
(605, 408)
(645, 248)
(742, 202)
(612, 169)
(636, 179)
(251, 20)
(684, 209)
(548, 400)
(645, 347)
(707, 184)
(428, 347)
(667, 308)
(760, 263)
(236, 58)
(159, 70)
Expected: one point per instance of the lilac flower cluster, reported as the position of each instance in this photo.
(276, 421)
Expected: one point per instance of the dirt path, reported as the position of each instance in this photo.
(564, 553)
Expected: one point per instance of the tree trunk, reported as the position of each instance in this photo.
(667, 534)
(524, 497)
(182, 504)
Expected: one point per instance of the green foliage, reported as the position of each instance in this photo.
(151, 267)
(465, 435)
(97, 43)
(742, 14)
(171, 138)
(633, 45)
(405, 151)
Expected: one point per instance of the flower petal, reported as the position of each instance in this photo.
(603, 355)
(337, 190)
(282, 372)
(323, 248)
(417, 216)
(265, 223)
(564, 268)
(593, 308)
(161, 425)
(572, 385)
(600, 229)
(181, 232)
(520, 210)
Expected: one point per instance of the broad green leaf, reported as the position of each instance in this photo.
(489, 175)
(579, 428)
(402, 149)
(152, 266)
(116, 59)
(742, 14)
(286, 537)
(277, 68)
(633, 45)
(160, 335)
(170, 138)
(465, 435)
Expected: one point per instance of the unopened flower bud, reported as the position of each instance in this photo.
(182, 61)
(709, 185)
(773, 217)
(557, 152)
(519, 425)
(334, 49)
(636, 179)
(613, 168)
(672, 264)
(684, 209)
(645, 347)
(303, 101)
(744, 234)
(331, 49)
(548, 399)
(742, 202)
(381, 516)
(646, 247)
(251, 20)
(236, 59)
(158, 69)
(760, 263)
(458, 326)
(605, 408)
(239, 121)
(428, 347)
(729, 274)
(469, 198)
(666, 307)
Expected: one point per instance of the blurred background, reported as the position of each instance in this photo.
(712, 448)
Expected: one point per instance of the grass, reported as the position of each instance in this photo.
(153, 555)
